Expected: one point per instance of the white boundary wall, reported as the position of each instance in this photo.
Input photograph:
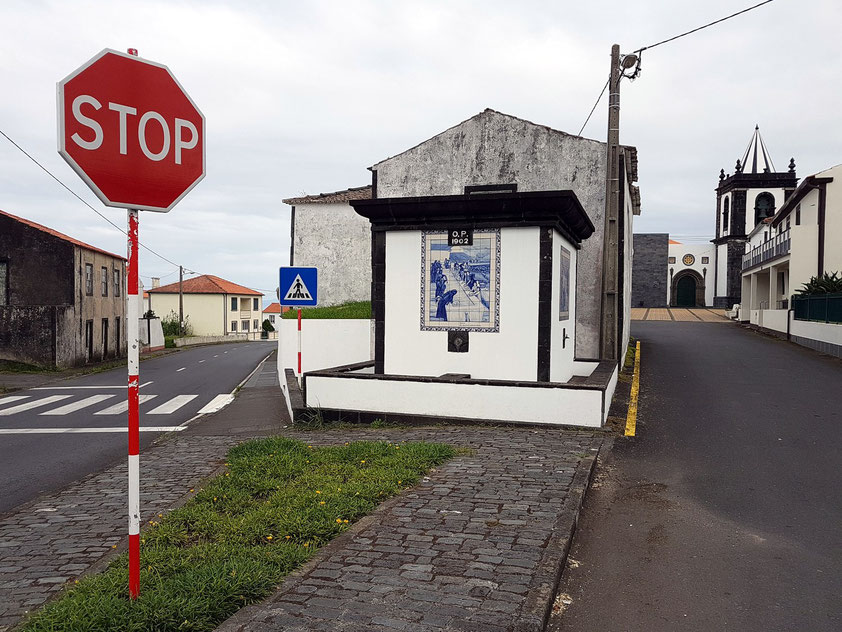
(560, 406)
(325, 343)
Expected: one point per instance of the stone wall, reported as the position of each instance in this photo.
(649, 280)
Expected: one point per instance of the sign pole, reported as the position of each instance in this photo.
(299, 344)
(133, 335)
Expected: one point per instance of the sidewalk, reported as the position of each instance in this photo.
(477, 545)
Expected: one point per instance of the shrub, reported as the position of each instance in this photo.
(828, 283)
(172, 327)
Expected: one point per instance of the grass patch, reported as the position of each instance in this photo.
(169, 342)
(232, 544)
(358, 309)
(10, 366)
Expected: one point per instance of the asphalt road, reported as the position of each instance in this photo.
(725, 512)
(174, 389)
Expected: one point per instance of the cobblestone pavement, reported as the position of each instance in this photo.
(477, 545)
(51, 541)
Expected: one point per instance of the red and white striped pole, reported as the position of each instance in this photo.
(133, 335)
(299, 344)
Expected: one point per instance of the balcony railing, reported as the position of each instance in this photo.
(775, 247)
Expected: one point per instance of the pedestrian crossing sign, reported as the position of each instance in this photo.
(298, 287)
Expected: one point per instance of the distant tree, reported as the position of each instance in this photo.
(267, 326)
(172, 327)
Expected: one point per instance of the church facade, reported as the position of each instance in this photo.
(744, 200)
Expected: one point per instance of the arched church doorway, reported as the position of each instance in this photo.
(688, 289)
(685, 295)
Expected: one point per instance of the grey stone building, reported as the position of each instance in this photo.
(649, 282)
(328, 234)
(489, 150)
(62, 301)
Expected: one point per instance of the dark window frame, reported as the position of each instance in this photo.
(671, 260)
(117, 280)
(726, 213)
(233, 325)
(89, 279)
(705, 260)
(234, 304)
(4, 274)
(254, 306)
(104, 281)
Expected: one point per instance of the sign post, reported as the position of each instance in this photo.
(299, 287)
(132, 133)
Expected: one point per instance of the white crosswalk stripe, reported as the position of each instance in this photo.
(12, 398)
(122, 407)
(217, 403)
(79, 405)
(172, 405)
(34, 404)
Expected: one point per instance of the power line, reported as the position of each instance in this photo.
(727, 17)
(675, 37)
(78, 197)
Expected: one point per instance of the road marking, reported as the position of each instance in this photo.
(11, 431)
(12, 398)
(173, 405)
(146, 383)
(631, 416)
(217, 403)
(181, 369)
(200, 361)
(216, 356)
(73, 407)
(83, 388)
(123, 406)
(30, 405)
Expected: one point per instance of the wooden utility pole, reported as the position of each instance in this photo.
(610, 237)
(181, 298)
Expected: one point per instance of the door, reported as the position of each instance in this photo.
(89, 340)
(104, 338)
(685, 295)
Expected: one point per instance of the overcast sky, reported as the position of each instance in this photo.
(301, 97)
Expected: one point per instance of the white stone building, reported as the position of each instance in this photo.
(690, 274)
(800, 241)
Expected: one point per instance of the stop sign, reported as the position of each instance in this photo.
(129, 129)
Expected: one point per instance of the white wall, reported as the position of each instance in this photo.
(823, 332)
(751, 199)
(833, 220)
(722, 270)
(803, 254)
(205, 312)
(510, 354)
(561, 353)
(324, 343)
(705, 270)
(562, 406)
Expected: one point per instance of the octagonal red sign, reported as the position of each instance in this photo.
(129, 129)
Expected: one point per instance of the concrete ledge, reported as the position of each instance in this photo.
(205, 340)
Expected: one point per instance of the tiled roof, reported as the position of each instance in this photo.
(273, 308)
(61, 236)
(673, 241)
(357, 193)
(205, 284)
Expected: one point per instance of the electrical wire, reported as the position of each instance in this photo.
(675, 37)
(78, 197)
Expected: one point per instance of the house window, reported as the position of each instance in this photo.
(117, 283)
(672, 260)
(272, 318)
(4, 282)
(245, 325)
(104, 281)
(798, 215)
(233, 325)
(705, 259)
(254, 305)
(233, 303)
(89, 279)
(255, 325)
(787, 223)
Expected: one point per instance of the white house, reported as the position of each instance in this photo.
(212, 306)
(800, 241)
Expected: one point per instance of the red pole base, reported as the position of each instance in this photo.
(134, 566)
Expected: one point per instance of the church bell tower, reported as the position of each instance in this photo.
(743, 200)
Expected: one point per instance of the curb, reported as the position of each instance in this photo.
(535, 612)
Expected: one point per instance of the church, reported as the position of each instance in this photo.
(670, 273)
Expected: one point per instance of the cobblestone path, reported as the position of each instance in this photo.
(477, 545)
(49, 542)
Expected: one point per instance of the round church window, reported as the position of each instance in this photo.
(688, 260)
